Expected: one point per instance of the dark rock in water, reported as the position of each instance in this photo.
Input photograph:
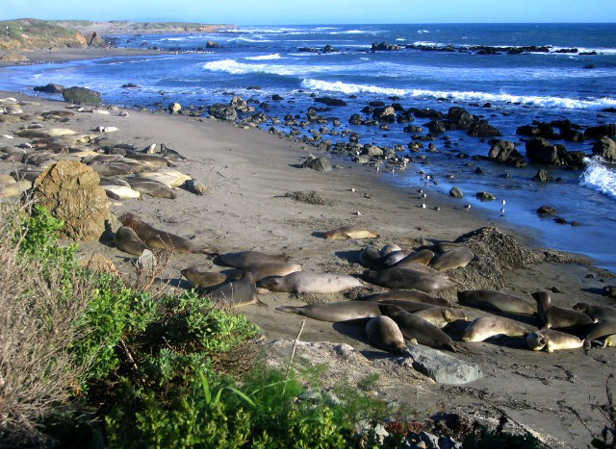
(541, 151)
(331, 101)
(376, 104)
(483, 129)
(505, 152)
(129, 86)
(50, 88)
(277, 97)
(546, 210)
(356, 119)
(436, 126)
(329, 49)
(427, 113)
(589, 66)
(212, 44)
(386, 114)
(543, 176)
(223, 112)
(384, 46)
(413, 129)
(81, 95)
(596, 132)
(560, 220)
(456, 192)
(485, 196)
(606, 148)
(317, 163)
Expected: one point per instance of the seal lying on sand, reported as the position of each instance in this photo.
(485, 327)
(247, 259)
(493, 300)
(409, 295)
(414, 327)
(370, 257)
(309, 282)
(422, 257)
(384, 333)
(152, 187)
(350, 232)
(599, 314)
(454, 258)
(156, 239)
(557, 317)
(203, 279)
(336, 311)
(403, 278)
(126, 240)
(601, 330)
(237, 293)
(409, 306)
(550, 340)
(267, 269)
(441, 316)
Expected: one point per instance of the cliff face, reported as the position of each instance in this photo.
(40, 34)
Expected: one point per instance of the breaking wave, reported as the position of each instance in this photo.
(598, 177)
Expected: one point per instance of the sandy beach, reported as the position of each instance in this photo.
(248, 172)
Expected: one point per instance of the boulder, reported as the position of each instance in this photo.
(543, 175)
(175, 108)
(81, 95)
(606, 148)
(331, 101)
(50, 88)
(441, 367)
(373, 151)
(546, 210)
(504, 152)
(384, 46)
(596, 132)
(482, 128)
(212, 44)
(70, 191)
(541, 151)
(386, 114)
(456, 192)
(223, 112)
(317, 163)
(485, 196)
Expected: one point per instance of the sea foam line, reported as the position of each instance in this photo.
(598, 177)
(264, 57)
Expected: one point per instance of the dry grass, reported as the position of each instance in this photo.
(38, 375)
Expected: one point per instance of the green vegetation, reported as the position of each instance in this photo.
(24, 32)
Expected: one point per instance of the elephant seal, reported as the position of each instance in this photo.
(121, 192)
(309, 282)
(237, 293)
(454, 258)
(152, 187)
(408, 306)
(384, 333)
(409, 295)
(484, 327)
(127, 240)
(389, 249)
(267, 269)
(550, 340)
(441, 316)
(402, 278)
(156, 239)
(203, 279)
(393, 258)
(599, 314)
(170, 177)
(414, 327)
(350, 232)
(423, 257)
(370, 257)
(493, 300)
(598, 331)
(557, 317)
(247, 259)
(336, 311)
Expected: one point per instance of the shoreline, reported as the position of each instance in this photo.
(63, 55)
(248, 172)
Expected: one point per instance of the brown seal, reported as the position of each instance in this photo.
(557, 317)
(152, 187)
(403, 278)
(550, 340)
(485, 327)
(598, 331)
(203, 279)
(266, 269)
(423, 257)
(336, 311)
(441, 316)
(156, 239)
(370, 257)
(409, 295)
(416, 328)
(309, 282)
(599, 314)
(384, 333)
(454, 258)
(247, 259)
(126, 240)
(493, 300)
(237, 293)
(350, 232)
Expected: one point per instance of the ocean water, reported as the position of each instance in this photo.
(520, 88)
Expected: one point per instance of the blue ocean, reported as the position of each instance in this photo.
(571, 75)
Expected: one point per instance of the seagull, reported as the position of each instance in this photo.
(423, 206)
(467, 206)
(503, 202)
(503, 211)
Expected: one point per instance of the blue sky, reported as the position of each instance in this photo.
(289, 12)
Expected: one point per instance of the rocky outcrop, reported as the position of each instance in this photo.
(504, 152)
(317, 163)
(39, 34)
(223, 112)
(329, 101)
(81, 95)
(70, 191)
(50, 88)
(540, 151)
(384, 46)
(606, 148)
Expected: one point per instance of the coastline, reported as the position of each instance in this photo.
(62, 55)
(248, 172)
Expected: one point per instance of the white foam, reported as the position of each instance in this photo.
(423, 31)
(348, 88)
(599, 177)
(239, 68)
(247, 39)
(265, 57)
